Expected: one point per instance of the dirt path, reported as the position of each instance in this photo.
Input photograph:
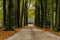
(32, 33)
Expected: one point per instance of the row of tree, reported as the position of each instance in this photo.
(12, 17)
(47, 13)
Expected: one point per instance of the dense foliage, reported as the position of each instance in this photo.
(16, 13)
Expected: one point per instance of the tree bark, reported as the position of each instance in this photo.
(25, 13)
(9, 16)
(51, 14)
(57, 26)
(4, 13)
(42, 14)
(37, 13)
(18, 13)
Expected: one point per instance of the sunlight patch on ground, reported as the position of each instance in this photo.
(30, 25)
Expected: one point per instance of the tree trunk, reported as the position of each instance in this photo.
(22, 14)
(57, 27)
(4, 13)
(25, 13)
(42, 14)
(9, 16)
(51, 14)
(18, 13)
(45, 13)
(37, 13)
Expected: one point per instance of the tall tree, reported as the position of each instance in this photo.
(37, 13)
(9, 16)
(51, 14)
(45, 13)
(4, 13)
(59, 15)
(42, 14)
(25, 13)
(18, 13)
(57, 27)
(22, 14)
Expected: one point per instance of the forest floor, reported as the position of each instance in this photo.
(32, 33)
(48, 30)
(5, 34)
